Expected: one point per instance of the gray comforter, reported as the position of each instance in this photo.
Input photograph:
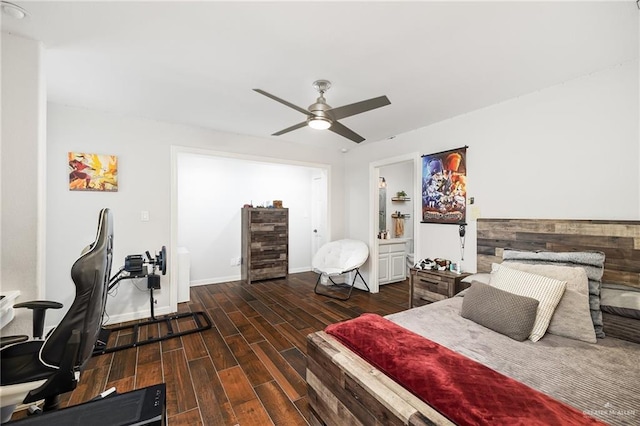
(600, 379)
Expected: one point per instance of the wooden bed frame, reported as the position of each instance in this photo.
(346, 390)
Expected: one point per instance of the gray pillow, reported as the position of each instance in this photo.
(501, 311)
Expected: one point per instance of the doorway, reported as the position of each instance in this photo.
(410, 165)
(208, 191)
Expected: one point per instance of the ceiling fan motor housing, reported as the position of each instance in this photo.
(320, 109)
(320, 116)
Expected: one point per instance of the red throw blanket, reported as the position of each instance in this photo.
(465, 391)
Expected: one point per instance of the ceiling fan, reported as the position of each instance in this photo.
(321, 115)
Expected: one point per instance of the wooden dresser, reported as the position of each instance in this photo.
(265, 244)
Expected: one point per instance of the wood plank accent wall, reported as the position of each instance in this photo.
(618, 239)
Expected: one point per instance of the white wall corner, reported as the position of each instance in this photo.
(23, 140)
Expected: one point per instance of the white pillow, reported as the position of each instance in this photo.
(481, 277)
(547, 291)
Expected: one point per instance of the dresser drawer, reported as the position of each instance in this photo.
(423, 296)
(435, 276)
(391, 248)
(264, 270)
(271, 246)
(434, 286)
(269, 216)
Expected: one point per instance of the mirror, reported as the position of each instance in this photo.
(382, 204)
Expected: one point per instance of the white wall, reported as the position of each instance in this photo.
(211, 192)
(143, 148)
(22, 169)
(568, 151)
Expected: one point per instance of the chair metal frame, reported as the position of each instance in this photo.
(340, 257)
(342, 285)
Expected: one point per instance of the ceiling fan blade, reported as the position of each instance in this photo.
(359, 107)
(344, 131)
(289, 129)
(282, 101)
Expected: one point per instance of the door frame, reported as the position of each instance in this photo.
(319, 211)
(374, 176)
(176, 151)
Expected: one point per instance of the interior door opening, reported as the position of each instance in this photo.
(397, 201)
(214, 195)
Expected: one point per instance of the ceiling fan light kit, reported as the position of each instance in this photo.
(322, 116)
(319, 123)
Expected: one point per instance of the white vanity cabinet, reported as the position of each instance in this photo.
(392, 260)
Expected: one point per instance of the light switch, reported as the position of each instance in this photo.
(144, 216)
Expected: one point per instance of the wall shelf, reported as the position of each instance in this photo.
(400, 199)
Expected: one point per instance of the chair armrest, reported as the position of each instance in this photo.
(39, 308)
(37, 304)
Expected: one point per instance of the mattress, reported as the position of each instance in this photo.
(620, 300)
(599, 379)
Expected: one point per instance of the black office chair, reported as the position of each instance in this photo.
(44, 369)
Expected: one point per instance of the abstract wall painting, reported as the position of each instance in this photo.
(444, 187)
(93, 172)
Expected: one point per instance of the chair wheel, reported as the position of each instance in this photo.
(34, 410)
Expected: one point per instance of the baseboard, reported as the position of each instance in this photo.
(132, 316)
(218, 280)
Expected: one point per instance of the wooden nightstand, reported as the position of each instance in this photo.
(428, 286)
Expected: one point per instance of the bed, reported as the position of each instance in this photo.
(599, 381)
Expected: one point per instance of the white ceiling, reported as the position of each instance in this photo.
(196, 62)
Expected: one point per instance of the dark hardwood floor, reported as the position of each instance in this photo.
(249, 368)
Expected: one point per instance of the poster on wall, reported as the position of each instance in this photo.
(93, 172)
(444, 187)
